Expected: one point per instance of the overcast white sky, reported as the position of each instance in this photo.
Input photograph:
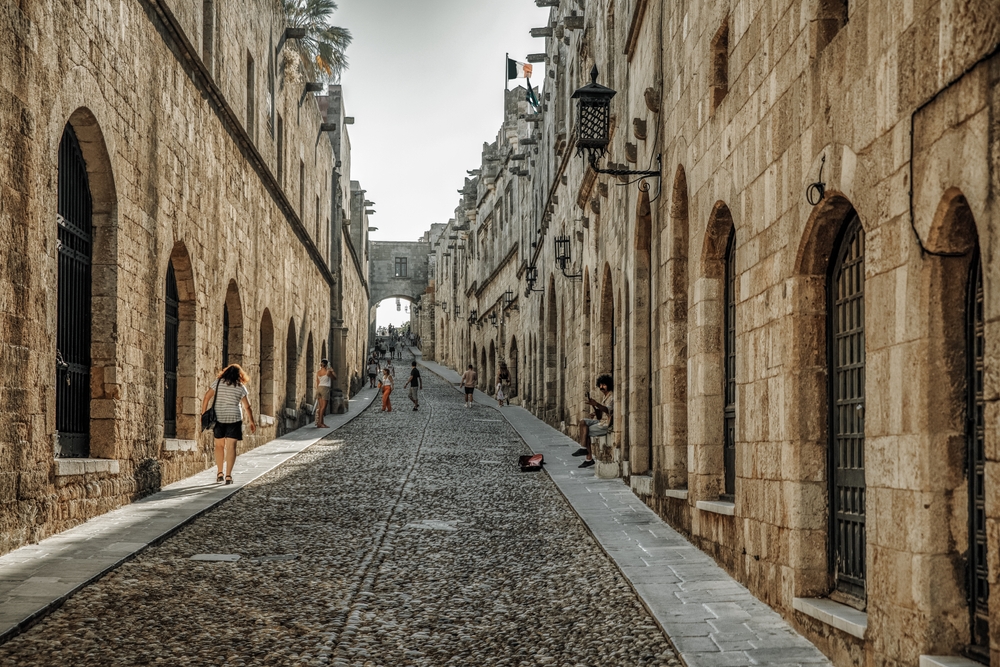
(425, 86)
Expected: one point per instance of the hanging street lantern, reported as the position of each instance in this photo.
(593, 127)
(593, 118)
(493, 317)
(563, 256)
(508, 299)
(531, 277)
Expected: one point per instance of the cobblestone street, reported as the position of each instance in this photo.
(405, 538)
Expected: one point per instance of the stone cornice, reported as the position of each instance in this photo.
(189, 58)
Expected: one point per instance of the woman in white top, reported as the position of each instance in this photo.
(230, 397)
(385, 382)
(324, 381)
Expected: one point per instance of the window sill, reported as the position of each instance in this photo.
(947, 661)
(840, 616)
(70, 467)
(680, 494)
(178, 445)
(717, 507)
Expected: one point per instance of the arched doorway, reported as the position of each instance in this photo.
(481, 371)
(291, 368)
(232, 326)
(551, 350)
(638, 348)
(491, 375)
(75, 317)
(512, 366)
(310, 368)
(179, 347)
(266, 371)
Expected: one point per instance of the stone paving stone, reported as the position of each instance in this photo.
(35, 578)
(408, 551)
(694, 600)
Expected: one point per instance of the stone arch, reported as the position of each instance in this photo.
(670, 343)
(513, 365)
(88, 428)
(291, 367)
(706, 397)
(550, 370)
(939, 408)
(185, 369)
(481, 371)
(232, 328)
(491, 375)
(474, 348)
(266, 371)
(310, 368)
(638, 348)
(606, 325)
(809, 382)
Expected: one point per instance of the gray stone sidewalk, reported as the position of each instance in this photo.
(36, 579)
(712, 620)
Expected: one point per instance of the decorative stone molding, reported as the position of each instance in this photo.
(717, 507)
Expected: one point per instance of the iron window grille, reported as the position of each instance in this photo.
(171, 324)
(729, 408)
(75, 248)
(978, 569)
(846, 351)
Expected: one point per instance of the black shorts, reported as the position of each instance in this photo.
(233, 430)
(469, 390)
(371, 376)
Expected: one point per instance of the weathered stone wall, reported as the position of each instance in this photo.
(382, 269)
(745, 103)
(175, 177)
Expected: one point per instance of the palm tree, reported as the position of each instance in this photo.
(324, 45)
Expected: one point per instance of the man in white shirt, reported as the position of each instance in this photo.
(604, 413)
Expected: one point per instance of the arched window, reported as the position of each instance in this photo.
(266, 373)
(979, 588)
(225, 335)
(310, 369)
(291, 370)
(729, 363)
(170, 354)
(75, 211)
(846, 354)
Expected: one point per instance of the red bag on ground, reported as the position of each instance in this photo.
(530, 463)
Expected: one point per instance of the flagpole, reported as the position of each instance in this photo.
(506, 79)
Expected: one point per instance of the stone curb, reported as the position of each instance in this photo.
(273, 455)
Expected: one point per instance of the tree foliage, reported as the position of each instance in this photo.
(323, 48)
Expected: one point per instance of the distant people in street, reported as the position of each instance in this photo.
(389, 367)
(499, 394)
(385, 384)
(601, 424)
(469, 380)
(392, 348)
(415, 384)
(324, 383)
(230, 397)
(372, 372)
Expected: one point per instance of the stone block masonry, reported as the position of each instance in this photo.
(177, 115)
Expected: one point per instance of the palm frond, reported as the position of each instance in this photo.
(324, 45)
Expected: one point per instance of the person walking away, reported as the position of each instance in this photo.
(389, 367)
(392, 348)
(385, 383)
(372, 372)
(415, 384)
(499, 393)
(324, 383)
(230, 397)
(469, 379)
(504, 377)
(590, 428)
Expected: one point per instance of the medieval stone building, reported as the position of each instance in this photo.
(800, 312)
(171, 194)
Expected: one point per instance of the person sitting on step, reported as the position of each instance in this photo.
(602, 422)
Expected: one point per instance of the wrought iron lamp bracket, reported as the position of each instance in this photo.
(593, 157)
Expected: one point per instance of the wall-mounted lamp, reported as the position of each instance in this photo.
(563, 256)
(531, 277)
(593, 123)
(493, 318)
(815, 191)
(508, 300)
(473, 316)
(458, 310)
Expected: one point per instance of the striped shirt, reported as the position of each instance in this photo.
(228, 402)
